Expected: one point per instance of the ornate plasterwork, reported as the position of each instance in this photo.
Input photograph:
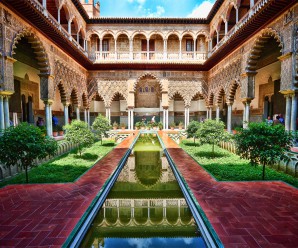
(186, 89)
(67, 80)
(108, 89)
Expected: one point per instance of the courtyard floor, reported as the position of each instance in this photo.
(244, 214)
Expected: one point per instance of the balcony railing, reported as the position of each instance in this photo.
(105, 57)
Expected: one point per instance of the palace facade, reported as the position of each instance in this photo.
(59, 57)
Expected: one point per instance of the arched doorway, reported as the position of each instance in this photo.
(147, 99)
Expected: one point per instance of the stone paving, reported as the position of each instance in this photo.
(43, 215)
(243, 214)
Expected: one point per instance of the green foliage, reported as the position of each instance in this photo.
(65, 168)
(23, 144)
(100, 127)
(226, 166)
(79, 133)
(115, 124)
(192, 129)
(262, 143)
(181, 124)
(211, 132)
(122, 125)
(160, 125)
(172, 124)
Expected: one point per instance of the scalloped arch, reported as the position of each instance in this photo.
(148, 74)
(256, 50)
(37, 46)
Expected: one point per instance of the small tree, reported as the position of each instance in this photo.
(23, 144)
(263, 143)
(79, 133)
(100, 127)
(212, 132)
(192, 129)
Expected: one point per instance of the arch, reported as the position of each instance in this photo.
(204, 33)
(148, 74)
(219, 96)
(139, 32)
(37, 46)
(210, 99)
(74, 96)
(171, 96)
(232, 91)
(61, 88)
(230, 7)
(90, 33)
(256, 50)
(121, 32)
(85, 100)
(65, 8)
(106, 32)
(75, 21)
(174, 32)
(156, 33)
(187, 32)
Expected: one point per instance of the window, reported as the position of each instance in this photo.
(151, 45)
(189, 45)
(105, 45)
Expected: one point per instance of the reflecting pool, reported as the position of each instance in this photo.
(145, 207)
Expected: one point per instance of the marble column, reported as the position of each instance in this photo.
(115, 49)
(237, 15)
(131, 120)
(217, 37)
(229, 117)
(185, 116)
(2, 123)
(194, 49)
(210, 113)
(100, 48)
(294, 112)
(165, 52)
(48, 114)
(88, 116)
(6, 111)
(164, 118)
(78, 112)
(217, 112)
(148, 47)
(288, 112)
(226, 27)
(180, 48)
(167, 119)
(131, 49)
(109, 113)
(66, 115)
(247, 112)
(187, 120)
(207, 112)
(128, 121)
(85, 116)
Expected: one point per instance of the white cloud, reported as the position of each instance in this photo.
(141, 2)
(202, 10)
(159, 11)
(140, 243)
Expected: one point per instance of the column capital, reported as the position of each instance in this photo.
(249, 74)
(287, 93)
(66, 104)
(48, 101)
(6, 93)
(165, 107)
(11, 59)
(285, 56)
(229, 103)
(246, 100)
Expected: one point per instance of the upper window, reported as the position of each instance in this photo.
(189, 45)
(105, 45)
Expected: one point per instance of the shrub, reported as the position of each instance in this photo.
(100, 127)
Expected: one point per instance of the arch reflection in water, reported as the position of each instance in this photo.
(145, 207)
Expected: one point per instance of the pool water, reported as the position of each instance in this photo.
(145, 207)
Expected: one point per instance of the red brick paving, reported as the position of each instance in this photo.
(43, 215)
(243, 214)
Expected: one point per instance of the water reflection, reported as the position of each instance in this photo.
(145, 207)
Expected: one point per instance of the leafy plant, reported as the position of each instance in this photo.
(100, 127)
(211, 132)
(122, 125)
(262, 143)
(181, 124)
(79, 133)
(172, 124)
(23, 144)
(191, 130)
(115, 124)
(160, 125)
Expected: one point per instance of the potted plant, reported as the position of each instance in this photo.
(160, 125)
(180, 125)
(122, 125)
(60, 130)
(43, 130)
(55, 131)
(154, 125)
(172, 125)
(142, 125)
(115, 125)
(137, 125)
(149, 126)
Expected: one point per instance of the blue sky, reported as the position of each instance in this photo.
(155, 8)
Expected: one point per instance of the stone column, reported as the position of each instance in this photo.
(128, 122)
(66, 115)
(115, 49)
(237, 15)
(288, 112)
(148, 40)
(229, 117)
(131, 49)
(69, 27)
(217, 37)
(167, 119)
(226, 27)
(294, 112)
(180, 48)
(207, 112)
(78, 112)
(6, 111)
(210, 112)
(131, 120)
(85, 116)
(109, 113)
(164, 118)
(58, 19)
(247, 112)
(44, 3)
(88, 116)
(165, 49)
(252, 3)
(185, 116)
(100, 48)
(2, 123)
(217, 112)
(47, 104)
(194, 48)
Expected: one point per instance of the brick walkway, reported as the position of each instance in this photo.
(243, 214)
(43, 215)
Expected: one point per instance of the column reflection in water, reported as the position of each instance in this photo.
(145, 207)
